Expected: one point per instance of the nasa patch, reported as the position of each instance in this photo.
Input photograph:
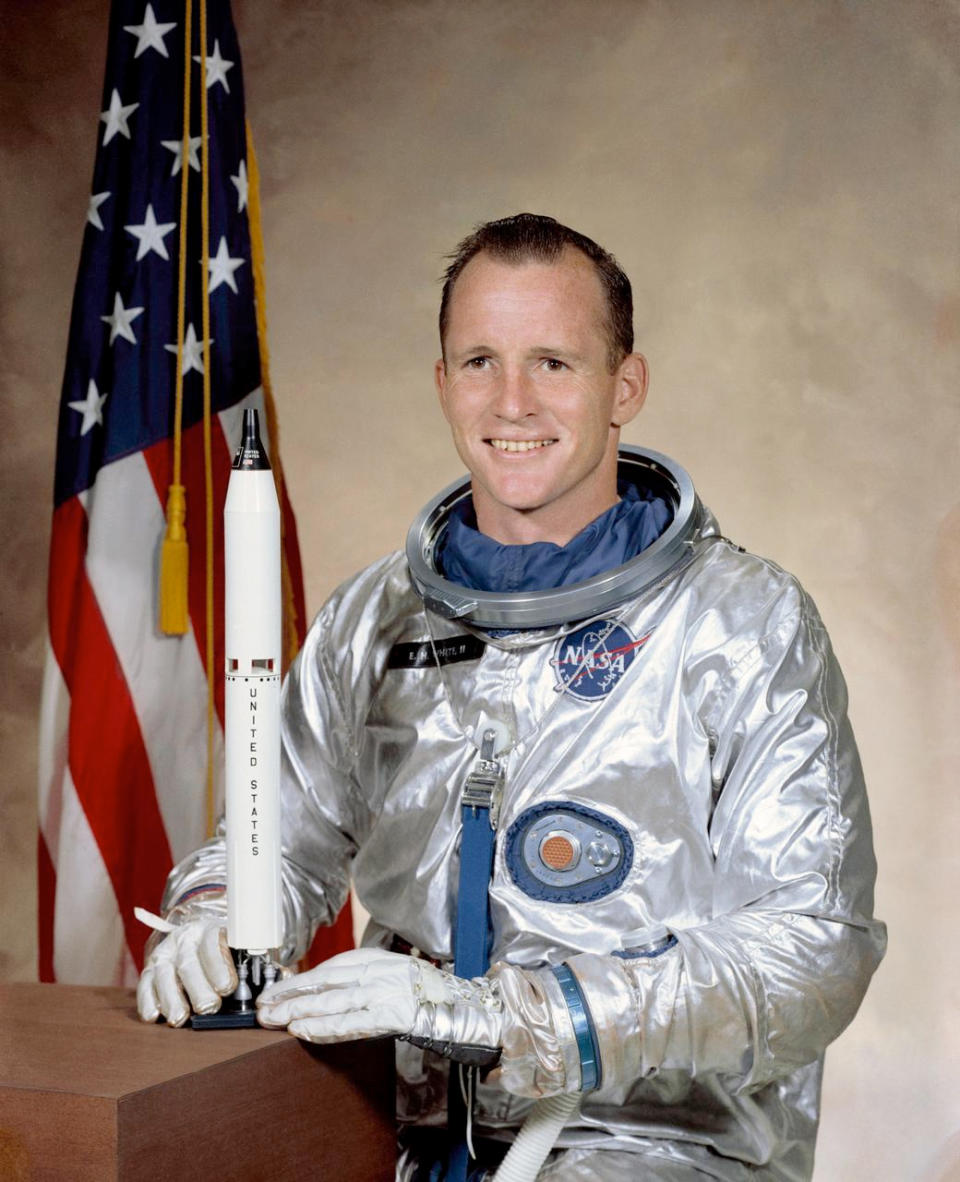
(591, 661)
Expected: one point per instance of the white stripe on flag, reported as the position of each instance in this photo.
(164, 674)
(52, 755)
(89, 943)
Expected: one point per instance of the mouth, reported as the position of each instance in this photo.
(519, 445)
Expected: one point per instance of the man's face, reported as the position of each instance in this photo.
(534, 409)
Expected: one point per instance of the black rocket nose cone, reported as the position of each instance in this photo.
(251, 455)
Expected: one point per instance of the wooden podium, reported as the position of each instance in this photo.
(88, 1092)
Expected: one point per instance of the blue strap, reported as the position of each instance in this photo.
(471, 947)
(472, 938)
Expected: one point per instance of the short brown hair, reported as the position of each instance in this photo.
(536, 237)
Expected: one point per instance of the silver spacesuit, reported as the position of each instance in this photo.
(683, 823)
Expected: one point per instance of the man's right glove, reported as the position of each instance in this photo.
(193, 961)
(516, 1018)
(368, 992)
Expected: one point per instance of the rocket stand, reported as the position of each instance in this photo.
(239, 1010)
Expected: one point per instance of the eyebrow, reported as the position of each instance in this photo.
(553, 351)
(533, 351)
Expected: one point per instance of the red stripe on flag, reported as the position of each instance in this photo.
(106, 755)
(46, 897)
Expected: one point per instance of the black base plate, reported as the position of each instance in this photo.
(225, 1019)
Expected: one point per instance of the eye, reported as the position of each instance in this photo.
(554, 364)
(478, 362)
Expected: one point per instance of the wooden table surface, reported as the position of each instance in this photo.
(87, 1091)
(46, 1033)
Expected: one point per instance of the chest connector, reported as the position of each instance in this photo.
(483, 788)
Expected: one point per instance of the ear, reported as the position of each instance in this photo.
(440, 381)
(632, 377)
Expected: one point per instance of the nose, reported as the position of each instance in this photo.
(516, 396)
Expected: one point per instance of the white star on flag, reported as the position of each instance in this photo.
(150, 235)
(216, 68)
(91, 407)
(222, 267)
(93, 215)
(150, 34)
(176, 147)
(242, 186)
(120, 321)
(192, 351)
(116, 116)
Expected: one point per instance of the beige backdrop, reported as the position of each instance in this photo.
(779, 178)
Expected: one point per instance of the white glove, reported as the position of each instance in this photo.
(368, 992)
(194, 957)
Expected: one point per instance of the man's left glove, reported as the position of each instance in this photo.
(368, 992)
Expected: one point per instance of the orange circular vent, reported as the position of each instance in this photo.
(558, 852)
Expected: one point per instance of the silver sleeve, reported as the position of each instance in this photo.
(750, 997)
(539, 1054)
(781, 969)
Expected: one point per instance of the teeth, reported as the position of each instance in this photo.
(520, 444)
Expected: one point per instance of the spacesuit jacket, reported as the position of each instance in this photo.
(691, 752)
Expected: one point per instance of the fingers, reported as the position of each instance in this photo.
(192, 962)
(192, 972)
(203, 998)
(170, 998)
(358, 967)
(147, 1006)
(341, 1028)
(331, 1015)
(315, 980)
(216, 961)
(309, 1005)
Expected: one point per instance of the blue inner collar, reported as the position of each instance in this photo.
(471, 559)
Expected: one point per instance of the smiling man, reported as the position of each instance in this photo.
(589, 766)
(535, 389)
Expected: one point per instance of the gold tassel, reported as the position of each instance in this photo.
(174, 566)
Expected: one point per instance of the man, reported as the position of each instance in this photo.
(680, 900)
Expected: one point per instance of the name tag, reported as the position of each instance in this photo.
(448, 651)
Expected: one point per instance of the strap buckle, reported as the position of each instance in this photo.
(483, 788)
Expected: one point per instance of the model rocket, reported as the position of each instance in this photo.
(252, 707)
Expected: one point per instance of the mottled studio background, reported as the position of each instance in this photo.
(779, 177)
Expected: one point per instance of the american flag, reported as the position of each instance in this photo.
(124, 743)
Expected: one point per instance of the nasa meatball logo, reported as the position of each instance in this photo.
(591, 661)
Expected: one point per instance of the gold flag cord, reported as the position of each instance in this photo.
(174, 554)
(207, 405)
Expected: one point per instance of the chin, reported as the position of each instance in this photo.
(520, 500)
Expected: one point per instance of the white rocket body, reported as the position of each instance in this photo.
(252, 706)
